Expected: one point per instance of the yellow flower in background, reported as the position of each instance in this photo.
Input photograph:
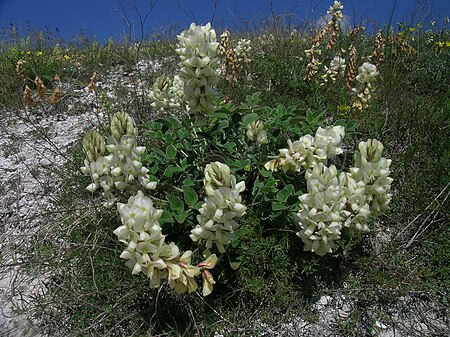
(39, 53)
(411, 29)
(66, 57)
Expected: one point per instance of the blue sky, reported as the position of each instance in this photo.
(104, 18)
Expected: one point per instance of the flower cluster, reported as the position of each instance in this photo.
(345, 201)
(197, 49)
(365, 79)
(313, 65)
(121, 169)
(256, 133)
(336, 68)
(373, 170)
(147, 252)
(322, 210)
(167, 94)
(222, 206)
(243, 52)
(335, 12)
(309, 151)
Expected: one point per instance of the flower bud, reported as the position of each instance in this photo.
(122, 124)
(216, 175)
(93, 145)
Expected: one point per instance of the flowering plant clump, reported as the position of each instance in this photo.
(122, 168)
(222, 206)
(147, 251)
(309, 151)
(197, 49)
(334, 203)
(367, 76)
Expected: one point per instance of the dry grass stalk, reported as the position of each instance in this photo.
(40, 87)
(377, 56)
(351, 68)
(355, 31)
(92, 84)
(28, 97)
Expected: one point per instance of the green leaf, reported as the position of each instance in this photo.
(153, 169)
(239, 164)
(171, 152)
(190, 196)
(278, 207)
(188, 182)
(198, 205)
(176, 204)
(236, 262)
(284, 194)
(219, 115)
(168, 172)
(250, 118)
(166, 217)
(265, 173)
(351, 126)
(180, 217)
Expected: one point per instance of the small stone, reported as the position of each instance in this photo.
(380, 325)
(45, 162)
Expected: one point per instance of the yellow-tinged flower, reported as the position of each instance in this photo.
(208, 282)
(39, 53)
(66, 57)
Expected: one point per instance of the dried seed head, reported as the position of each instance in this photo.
(92, 84)
(40, 87)
(55, 97)
(354, 33)
(351, 68)
(224, 43)
(20, 70)
(378, 51)
(28, 97)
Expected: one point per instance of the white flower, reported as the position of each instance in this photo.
(197, 49)
(309, 151)
(336, 68)
(243, 51)
(373, 170)
(167, 94)
(367, 76)
(327, 142)
(122, 168)
(222, 206)
(322, 210)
